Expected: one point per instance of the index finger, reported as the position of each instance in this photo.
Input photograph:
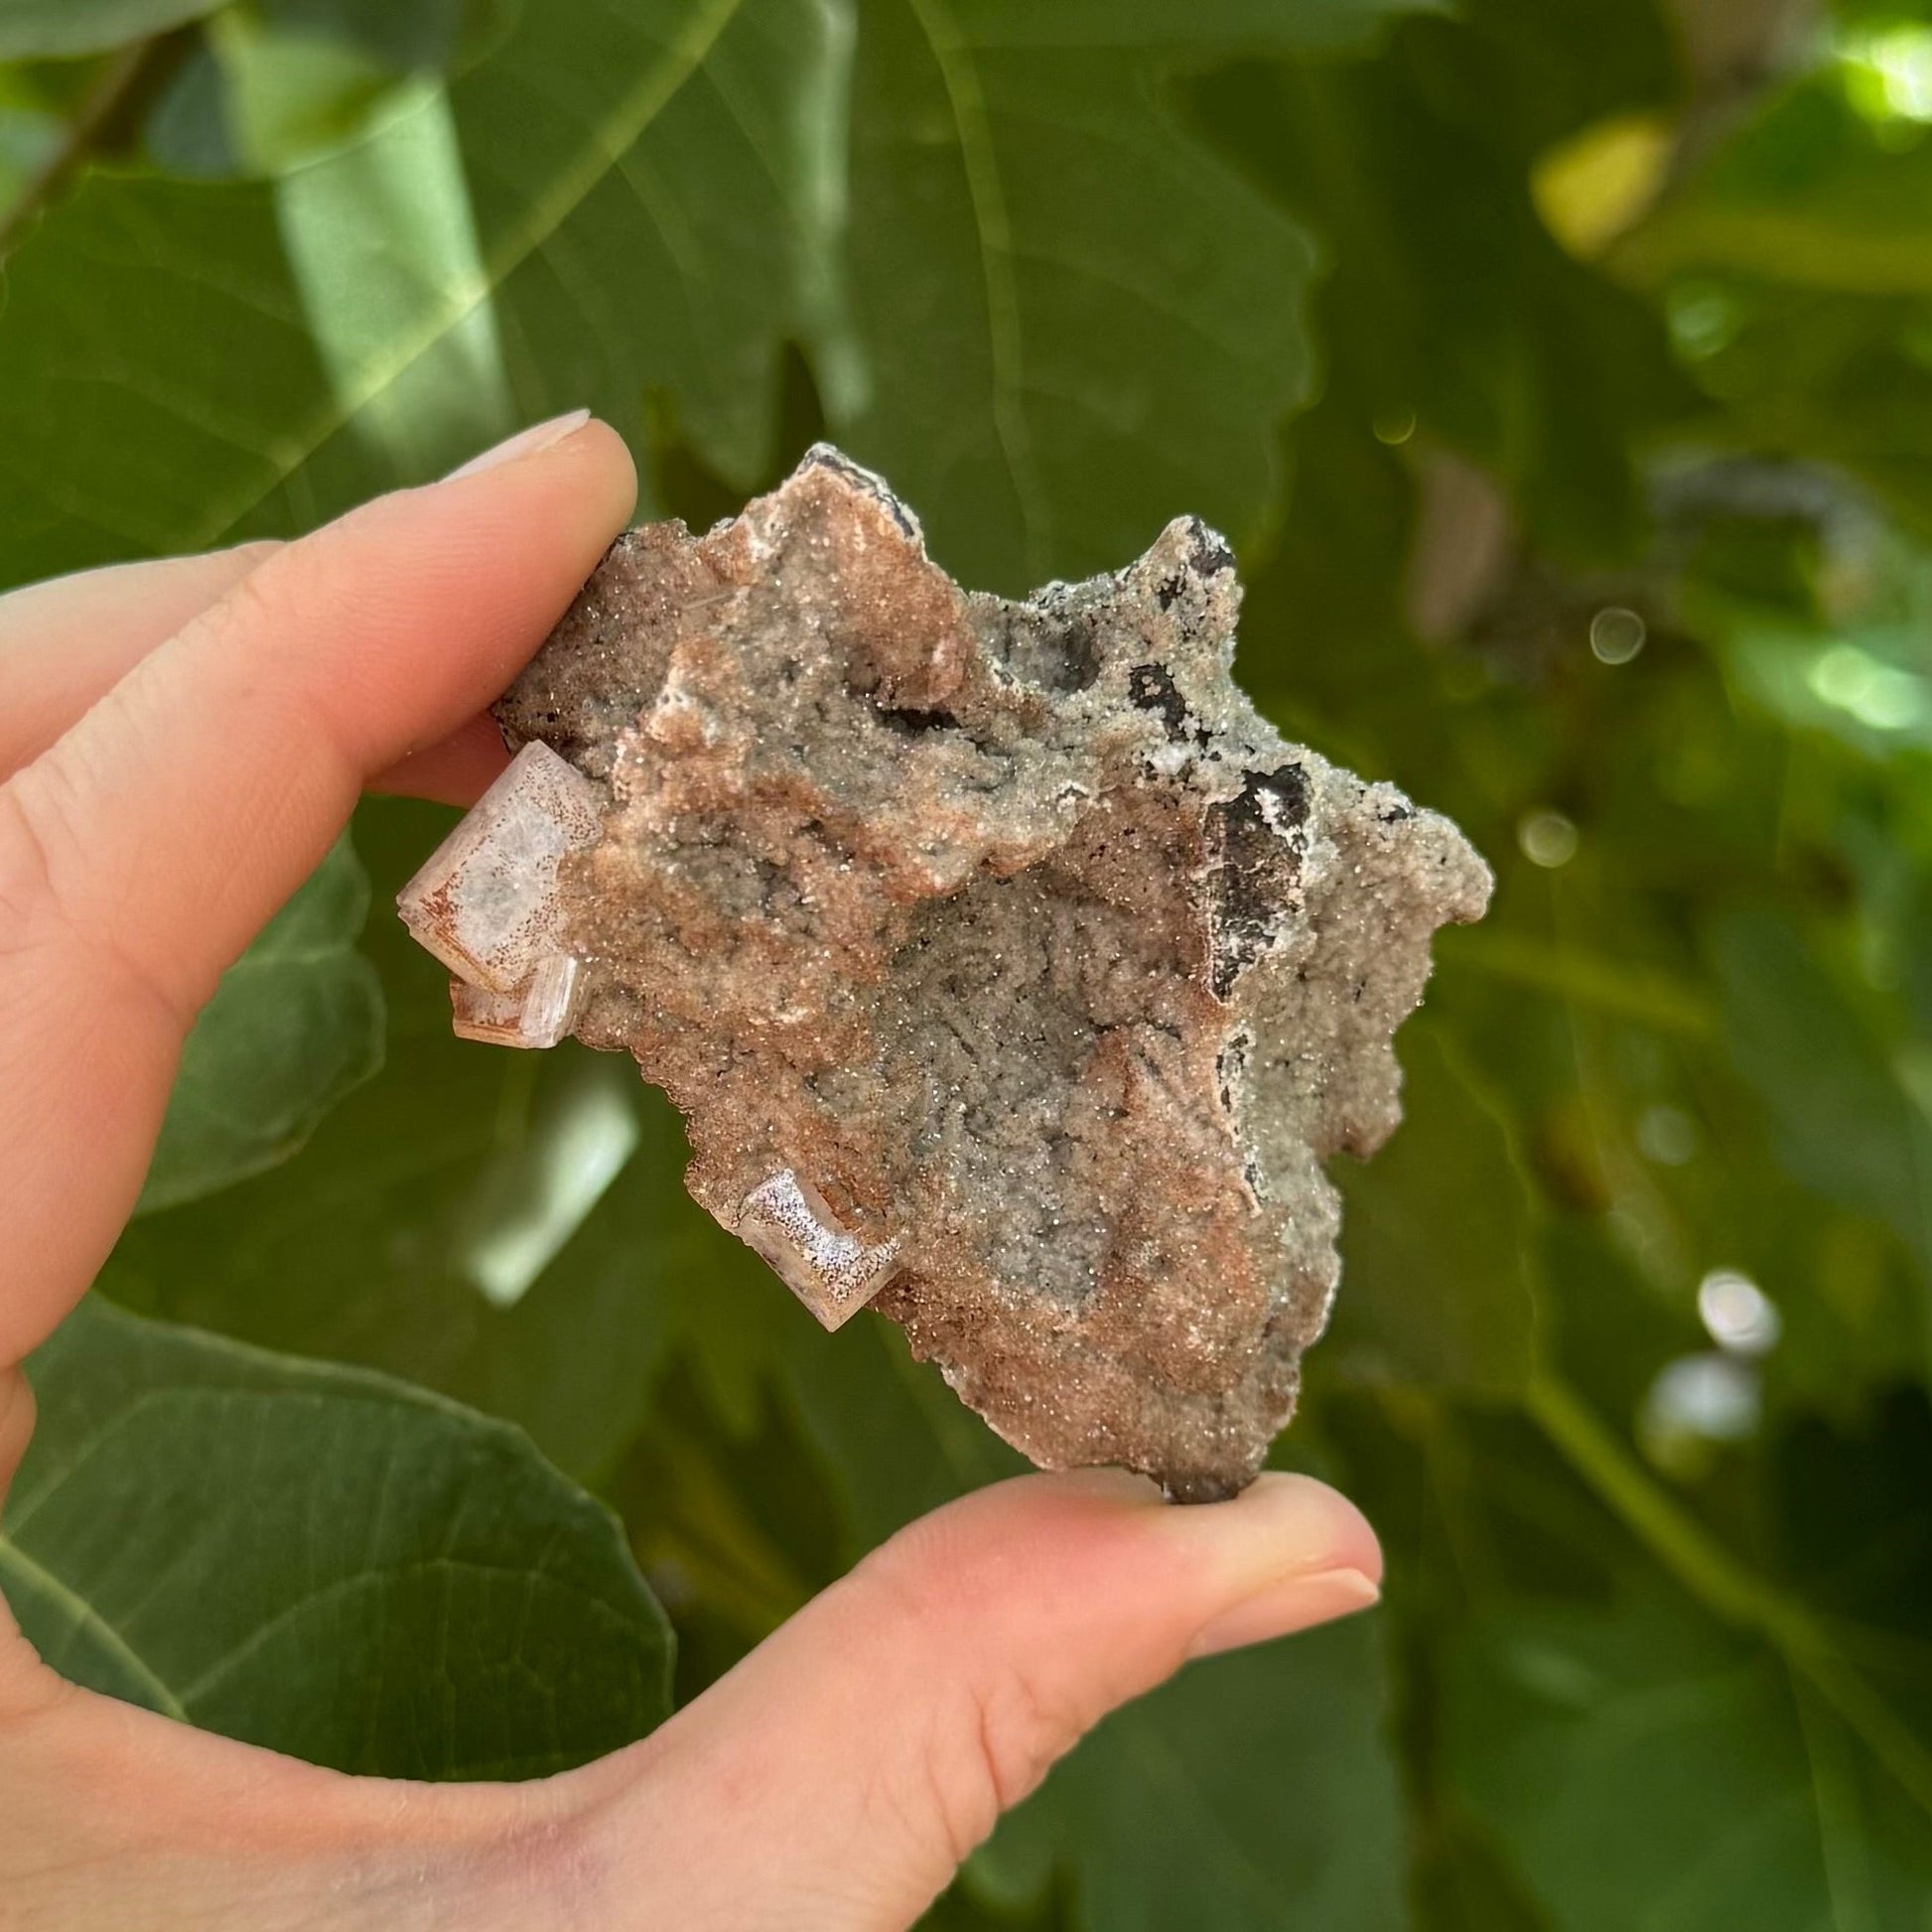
(66, 641)
(140, 853)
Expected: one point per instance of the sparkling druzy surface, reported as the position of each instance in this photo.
(1013, 974)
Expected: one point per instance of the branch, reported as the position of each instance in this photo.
(108, 119)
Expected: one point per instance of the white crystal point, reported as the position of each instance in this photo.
(540, 1013)
(786, 1221)
(486, 902)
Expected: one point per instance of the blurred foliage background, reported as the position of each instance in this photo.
(1563, 369)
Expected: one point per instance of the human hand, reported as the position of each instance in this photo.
(180, 744)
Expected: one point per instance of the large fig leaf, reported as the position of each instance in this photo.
(321, 1561)
(1074, 321)
(609, 203)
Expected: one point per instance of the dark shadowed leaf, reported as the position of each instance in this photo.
(1660, 1736)
(320, 1561)
(296, 1023)
(1253, 1791)
(1648, 1768)
(1438, 1241)
(897, 1441)
(1845, 1123)
(1072, 322)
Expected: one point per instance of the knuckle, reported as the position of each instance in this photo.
(43, 916)
(1016, 1725)
(35, 840)
(254, 607)
(283, 690)
(993, 1723)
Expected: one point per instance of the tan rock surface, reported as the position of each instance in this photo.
(1011, 973)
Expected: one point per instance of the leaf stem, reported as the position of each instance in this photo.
(1726, 1588)
(105, 121)
(1606, 985)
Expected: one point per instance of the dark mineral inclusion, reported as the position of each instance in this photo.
(1015, 978)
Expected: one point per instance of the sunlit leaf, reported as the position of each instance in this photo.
(179, 361)
(1808, 192)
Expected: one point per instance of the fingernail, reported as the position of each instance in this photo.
(526, 442)
(1293, 1603)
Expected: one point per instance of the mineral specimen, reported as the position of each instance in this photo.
(1013, 976)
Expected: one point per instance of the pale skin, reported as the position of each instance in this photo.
(180, 743)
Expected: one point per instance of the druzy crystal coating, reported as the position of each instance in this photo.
(1011, 973)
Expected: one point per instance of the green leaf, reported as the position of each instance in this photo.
(295, 1025)
(1451, 312)
(1074, 321)
(1254, 1790)
(1647, 1767)
(39, 29)
(1066, 320)
(420, 34)
(289, 96)
(509, 1230)
(1845, 1123)
(29, 138)
(320, 1560)
(612, 200)
(1438, 1240)
(897, 1442)
(1658, 1734)
(1791, 263)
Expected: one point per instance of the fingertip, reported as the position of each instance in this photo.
(1280, 1522)
(1288, 1552)
(601, 458)
(1285, 1609)
(1290, 1522)
(581, 447)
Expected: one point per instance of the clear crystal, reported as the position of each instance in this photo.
(486, 903)
(787, 1221)
(538, 1014)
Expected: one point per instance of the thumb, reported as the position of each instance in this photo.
(837, 1777)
